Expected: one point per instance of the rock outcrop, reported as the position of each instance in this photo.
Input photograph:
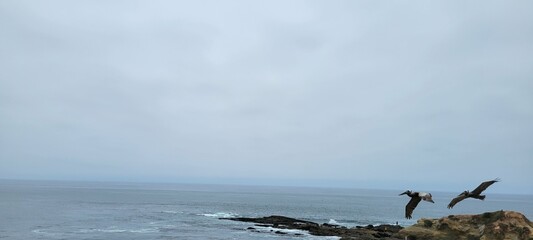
(383, 232)
(500, 225)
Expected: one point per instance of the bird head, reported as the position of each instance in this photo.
(465, 193)
(406, 192)
(428, 197)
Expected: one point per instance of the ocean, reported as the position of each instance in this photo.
(83, 210)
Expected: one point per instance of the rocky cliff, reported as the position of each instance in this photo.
(500, 225)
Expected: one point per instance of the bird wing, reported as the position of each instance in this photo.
(483, 186)
(411, 205)
(457, 199)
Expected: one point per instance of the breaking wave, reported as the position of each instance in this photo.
(120, 230)
(219, 215)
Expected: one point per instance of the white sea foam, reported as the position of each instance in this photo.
(119, 230)
(294, 232)
(219, 215)
(45, 232)
(286, 231)
(171, 212)
(332, 221)
(41, 231)
(324, 237)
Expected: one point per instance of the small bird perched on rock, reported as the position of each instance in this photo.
(416, 197)
(474, 194)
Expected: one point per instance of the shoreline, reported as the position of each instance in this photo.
(489, 225)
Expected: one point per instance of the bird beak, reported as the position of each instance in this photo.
(402, 193)
(431, 200)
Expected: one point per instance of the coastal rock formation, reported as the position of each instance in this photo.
(384, 232)
(500, 225)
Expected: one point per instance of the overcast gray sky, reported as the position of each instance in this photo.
(423, 95)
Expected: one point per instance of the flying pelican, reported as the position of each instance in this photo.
(416, 197)
(474, 194)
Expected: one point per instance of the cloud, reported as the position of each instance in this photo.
(348, 93)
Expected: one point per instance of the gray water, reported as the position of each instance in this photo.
(78, 210)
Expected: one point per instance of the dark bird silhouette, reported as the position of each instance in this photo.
(416, 197)
(474, 194)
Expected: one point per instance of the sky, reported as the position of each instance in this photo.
(421, 95)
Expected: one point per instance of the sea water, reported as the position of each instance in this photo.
(81, 210)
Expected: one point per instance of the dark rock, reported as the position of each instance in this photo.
(388, 228)
(263, 225)
(381, 235)
(332, 225)
(274, 220)
(370, 232)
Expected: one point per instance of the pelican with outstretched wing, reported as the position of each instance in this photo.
(416, 197)
(474, 194)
